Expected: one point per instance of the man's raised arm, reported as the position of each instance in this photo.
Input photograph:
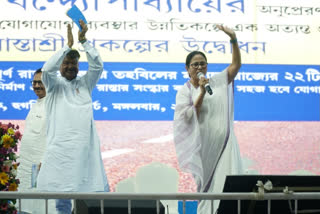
(50, 68)
(94, 59)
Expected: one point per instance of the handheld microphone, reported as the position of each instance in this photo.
(207, 86)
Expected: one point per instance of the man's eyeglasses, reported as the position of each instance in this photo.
(34, 82)
(196, 64)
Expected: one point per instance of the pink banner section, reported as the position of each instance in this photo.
(275, 148)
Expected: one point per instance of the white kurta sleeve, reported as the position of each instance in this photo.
(50, 68)
(95, 66)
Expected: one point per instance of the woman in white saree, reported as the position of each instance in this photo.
(205, 142)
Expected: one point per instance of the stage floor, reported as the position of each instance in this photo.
(279, 148)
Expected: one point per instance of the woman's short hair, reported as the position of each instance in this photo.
(191, 55)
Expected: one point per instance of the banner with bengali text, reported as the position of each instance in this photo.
(144, 44)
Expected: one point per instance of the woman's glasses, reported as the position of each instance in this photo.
(197, 64)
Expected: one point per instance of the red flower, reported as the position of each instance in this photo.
(4, 127)
(5, 168)
(18, 135)
(4, 206)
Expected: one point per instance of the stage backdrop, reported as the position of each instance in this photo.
(144, 43)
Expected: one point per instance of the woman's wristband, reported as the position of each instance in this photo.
(83, 40)
(233, 41)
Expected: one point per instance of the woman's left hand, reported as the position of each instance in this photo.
(227, 31)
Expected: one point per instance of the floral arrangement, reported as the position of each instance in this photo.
(10, 136)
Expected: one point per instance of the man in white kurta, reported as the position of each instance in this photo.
(33, 146)
(72, 161)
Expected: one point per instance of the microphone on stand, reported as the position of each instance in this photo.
(207, 86)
